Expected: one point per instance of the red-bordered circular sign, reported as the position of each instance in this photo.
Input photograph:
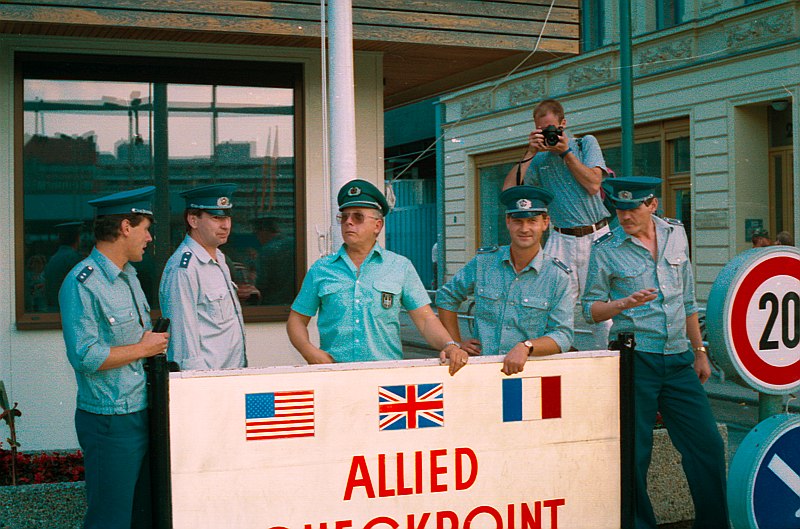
(760, 317)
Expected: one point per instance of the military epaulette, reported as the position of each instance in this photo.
(488, 249)
(85, 273)
(562, 265)
(185, 258)
(674, 222)
(603, 238)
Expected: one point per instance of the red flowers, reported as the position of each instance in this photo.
(41, 468)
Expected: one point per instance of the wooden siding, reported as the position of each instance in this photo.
(429, 46)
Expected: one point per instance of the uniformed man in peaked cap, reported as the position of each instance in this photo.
(641, 278)
(197, 293)
(106, 323)
(357, 293)
(523, 299)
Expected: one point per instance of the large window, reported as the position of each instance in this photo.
(592, 24)
(668, 13)
(92, 126)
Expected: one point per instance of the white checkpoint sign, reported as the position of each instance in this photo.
(754, 315)
(399, 445)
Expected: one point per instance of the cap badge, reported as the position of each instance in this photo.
(625, 195)
(524, 203)
(223, 201)
(354, 191)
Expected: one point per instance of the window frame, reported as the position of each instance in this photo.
(138, 68)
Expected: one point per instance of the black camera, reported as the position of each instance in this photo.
(551, 135)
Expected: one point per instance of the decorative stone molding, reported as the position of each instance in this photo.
(477, 104)
(765, 28)
(591, 74)
(707, 5)
(527, 91)
(651, 58)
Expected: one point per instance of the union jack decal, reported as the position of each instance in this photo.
(410, 406)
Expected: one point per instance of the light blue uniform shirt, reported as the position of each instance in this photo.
(572, 205)
(620, 265)
(98, 312)
(511, 307)
(198, 296)
(359, 309)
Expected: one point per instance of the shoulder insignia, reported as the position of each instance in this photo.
(185, 258)
(674, 222)
(488, 249)
(562, 265)
(603, 238)
(85, 273)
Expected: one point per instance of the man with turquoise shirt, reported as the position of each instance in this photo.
(572, 169)
(641, 278)
(197, 293)
(523, 299)
(358, 293)
(107, 331)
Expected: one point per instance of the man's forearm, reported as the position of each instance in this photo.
(449, 320)
(589, 178)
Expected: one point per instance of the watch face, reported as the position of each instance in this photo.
(527, 343)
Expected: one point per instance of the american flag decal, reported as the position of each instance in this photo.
(410, 406)
(279, 415)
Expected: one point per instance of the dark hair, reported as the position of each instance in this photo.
(191, 211)
(549, 106)
(108, 227)
(648, 201)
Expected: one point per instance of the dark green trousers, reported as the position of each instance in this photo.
(668, 383)
(117, 469)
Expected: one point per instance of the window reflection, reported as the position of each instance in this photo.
(84, 139)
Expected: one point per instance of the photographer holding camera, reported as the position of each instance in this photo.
(572, 169)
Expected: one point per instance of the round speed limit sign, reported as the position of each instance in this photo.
(754, 315)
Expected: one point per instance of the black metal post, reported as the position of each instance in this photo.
(627, 419)
(160, 480)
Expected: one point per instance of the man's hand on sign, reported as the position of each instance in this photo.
(472, 346)
(315, 355)
(514, 361)
(702, 366)
(458, 357)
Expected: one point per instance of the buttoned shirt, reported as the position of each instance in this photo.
(359, 308)
(104, 307)
(572, 205)
(511, 307)
(199, 297)
(621, 265)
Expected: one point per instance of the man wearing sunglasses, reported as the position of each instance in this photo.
(357, 293)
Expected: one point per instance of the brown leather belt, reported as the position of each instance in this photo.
(580, 231)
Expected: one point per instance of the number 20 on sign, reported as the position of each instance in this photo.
(754, 316)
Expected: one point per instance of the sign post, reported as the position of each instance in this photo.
(753, 317)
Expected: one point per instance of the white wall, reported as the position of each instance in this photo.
(33, 365)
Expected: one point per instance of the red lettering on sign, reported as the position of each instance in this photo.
(461, 483)
(436, 470)
(553, 505)
(402, 490)
(529, 520)
(381, 520)
(423, 522)
(449, 516)
(383, 491)
(484, 509)
(418, 471)
(344, 524)
(358, 465)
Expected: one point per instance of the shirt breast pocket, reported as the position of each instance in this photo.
(123, 325)
(386, 299)
(533, 317)
(631, 279)
(488, 301)
(217, 305)
(333, 295)
(675, 264)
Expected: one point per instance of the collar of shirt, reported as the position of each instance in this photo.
(536, 262)
(376, 253)
(107, 266)
(663, 228)
(199, 251)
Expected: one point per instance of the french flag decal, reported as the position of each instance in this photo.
(531, 398)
